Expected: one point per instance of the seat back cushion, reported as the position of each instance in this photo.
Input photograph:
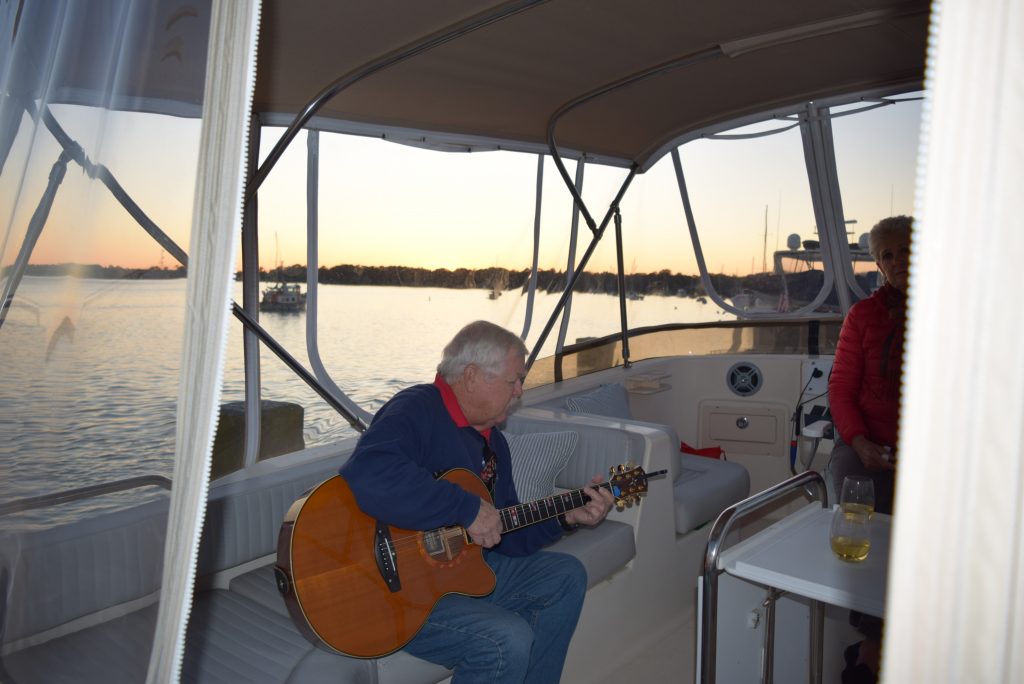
(537, 459)
(607, 400)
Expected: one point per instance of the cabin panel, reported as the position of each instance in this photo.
(739, 424)
(752, 434)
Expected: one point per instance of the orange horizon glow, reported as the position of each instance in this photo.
(443, 211)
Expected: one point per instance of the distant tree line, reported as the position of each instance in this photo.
(663, 282)
(799, 285)
(101, 272)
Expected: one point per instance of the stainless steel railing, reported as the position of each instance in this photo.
(87, 492)
(814, 486)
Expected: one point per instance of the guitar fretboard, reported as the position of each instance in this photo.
(521, 515)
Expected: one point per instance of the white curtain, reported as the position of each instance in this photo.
(100, 100)
(216, 223)
(956, 587)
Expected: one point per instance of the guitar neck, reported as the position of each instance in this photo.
(522, 515)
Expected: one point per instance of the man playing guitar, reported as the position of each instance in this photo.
(519, 632)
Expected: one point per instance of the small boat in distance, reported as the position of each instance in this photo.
(499, 283)
(283, 297)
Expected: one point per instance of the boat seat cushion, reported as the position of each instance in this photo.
(704, 488)
(701, 487)
(242, 520)
(116, 650)
(603, 550)
(259, 586)
(234, 639)
(537, 459)
(230, 639)
(55, 575)
(607, 400)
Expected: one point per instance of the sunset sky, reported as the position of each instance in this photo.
(386, 204)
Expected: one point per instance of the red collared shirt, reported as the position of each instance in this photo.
(452, 404)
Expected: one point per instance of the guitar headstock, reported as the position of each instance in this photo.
(628, 483)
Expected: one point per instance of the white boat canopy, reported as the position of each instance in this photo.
(617, 81)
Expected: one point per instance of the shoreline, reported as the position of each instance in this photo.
(799, 285)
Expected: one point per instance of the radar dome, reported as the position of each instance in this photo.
(863, 241)
(793, 241)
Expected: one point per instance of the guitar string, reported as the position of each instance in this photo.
(401, 542)
(454, 531)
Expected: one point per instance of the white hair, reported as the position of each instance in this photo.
(481, 343)
(893, 226)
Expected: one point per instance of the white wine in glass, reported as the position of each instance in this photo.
(850, 534)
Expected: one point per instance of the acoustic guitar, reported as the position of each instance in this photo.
(363, 589)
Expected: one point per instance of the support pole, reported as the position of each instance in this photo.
(622, 289)
(35, 228)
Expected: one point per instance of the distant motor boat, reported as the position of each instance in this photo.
(754, 302)
(283, 297)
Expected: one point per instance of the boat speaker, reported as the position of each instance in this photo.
(744, 379)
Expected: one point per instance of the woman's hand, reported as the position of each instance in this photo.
(873, 456)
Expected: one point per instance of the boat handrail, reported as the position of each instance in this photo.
(87, 492)
(812, 484)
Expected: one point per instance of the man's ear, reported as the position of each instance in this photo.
(471, 374)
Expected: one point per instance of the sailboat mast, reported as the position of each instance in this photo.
(764, 251)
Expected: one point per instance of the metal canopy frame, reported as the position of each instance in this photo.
(730, 49)
(816, 136)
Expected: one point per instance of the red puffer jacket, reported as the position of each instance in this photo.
(864, 388)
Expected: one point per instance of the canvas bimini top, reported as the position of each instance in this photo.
(618, 81)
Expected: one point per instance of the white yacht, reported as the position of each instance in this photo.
(157, 434)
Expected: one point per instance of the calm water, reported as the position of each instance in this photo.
(90, 368)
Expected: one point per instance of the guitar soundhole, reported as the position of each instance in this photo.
(434, 545)
(443, 545)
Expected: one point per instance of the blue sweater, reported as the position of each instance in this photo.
(413, 438)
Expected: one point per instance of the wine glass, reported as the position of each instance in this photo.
(858, 495)
(850, 535)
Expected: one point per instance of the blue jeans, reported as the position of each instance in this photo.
(518, 633)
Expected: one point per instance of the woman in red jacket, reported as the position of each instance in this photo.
(864, 398)
(864, 388)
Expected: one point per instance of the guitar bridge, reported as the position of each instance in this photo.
(384, 554)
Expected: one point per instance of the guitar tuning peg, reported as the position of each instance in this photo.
(620, 505)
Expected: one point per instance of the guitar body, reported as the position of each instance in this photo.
(329, 571)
